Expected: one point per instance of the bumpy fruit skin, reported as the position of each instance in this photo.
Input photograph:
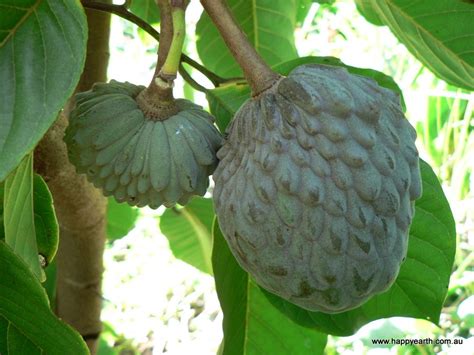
(315, 188)
(136, 159)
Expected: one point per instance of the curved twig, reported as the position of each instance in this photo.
(189, 79)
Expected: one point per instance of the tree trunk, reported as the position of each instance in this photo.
(80, 208)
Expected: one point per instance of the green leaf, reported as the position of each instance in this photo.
(2, 230)
(146, 9)
(24, 303)
(439, 33)
(189, 232)
(303, 8)
(111, 343)
(19, 224)
(50, 284)
(105, 348)
(225, 100)
(19, 344)
(366, 10)
(268, 24)
(42, 52)
(421, 286)
(3, 335)
(120, 219)
(252, 325)
(46, 224)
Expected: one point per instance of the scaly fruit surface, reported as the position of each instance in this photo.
(138, 159)
(316, 185)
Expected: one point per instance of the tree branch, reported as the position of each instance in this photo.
(258, 74)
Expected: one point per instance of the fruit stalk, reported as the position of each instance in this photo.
(258, 74)
(158, 98)
(171, 64)
(166, 33)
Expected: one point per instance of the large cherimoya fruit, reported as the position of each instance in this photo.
(140, 159)
(316, 185)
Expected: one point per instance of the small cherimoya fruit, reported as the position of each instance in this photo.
(316, 185)
(139, 159)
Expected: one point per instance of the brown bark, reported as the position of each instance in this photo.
(80, 208)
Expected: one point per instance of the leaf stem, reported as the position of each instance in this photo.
(189, 79)
(258, 74)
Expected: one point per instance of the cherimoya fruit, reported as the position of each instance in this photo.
(139, 159)
(316, 185)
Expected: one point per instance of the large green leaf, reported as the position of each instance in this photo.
(252, 325)
(121, 218)
(19, 343)
(268, 24)
(42, 52)
(24, 303)
(18, 214)
(189, 232)
(3, 335)
(224, 101)
(439, 33)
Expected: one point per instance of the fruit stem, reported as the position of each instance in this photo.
(166, 29)
(157, 101)
(160, 90)
(171, 65)
(258, 74)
